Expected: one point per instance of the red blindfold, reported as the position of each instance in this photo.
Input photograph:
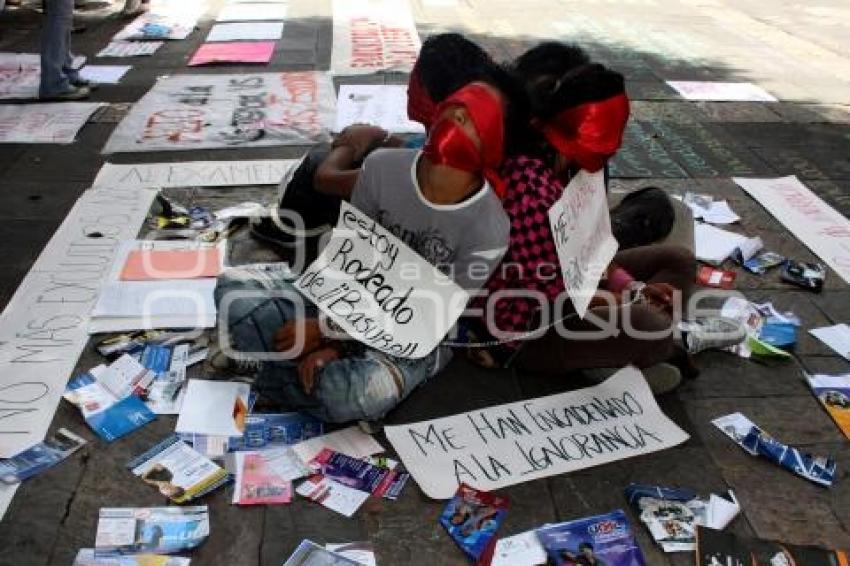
(589, 134)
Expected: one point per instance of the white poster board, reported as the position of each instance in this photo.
(581, 228)
(20, 74)
(130, 48)
(43, 328)
(184, 112)
(195, 174)
(379, 105)
(820, 227)
(56, 122)
(380, 291)
(373, 35)
(517, 442)
(721, 92)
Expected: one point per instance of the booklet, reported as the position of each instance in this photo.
(275, 430)
(86, 557)
(40, 457)
(606, 539)
(154, 530)
(672, 514)
(178, 471)
(719, 548)
(165, 395)
(335, 496)
(309, 553)
(472, 518)
(833, 392)
(256, 483)
(109, 417)
(757, 442)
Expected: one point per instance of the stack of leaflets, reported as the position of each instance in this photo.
(715, 547)
(151, 530)
(309, 553)
(178, 471)
(603, 539)
(673, 514)
(833, 392)
(86, 557)
(256, 483)
(472, 518)
(757, 442)
(40, 457)
(166, 392)
(343, 483)
(107, 397)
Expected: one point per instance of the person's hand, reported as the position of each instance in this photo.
(660, 295)
(361, 138)
(306, 329)
(312, 363)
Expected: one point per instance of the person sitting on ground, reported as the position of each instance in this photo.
(440, 203)
(328, 172)
(580, 115)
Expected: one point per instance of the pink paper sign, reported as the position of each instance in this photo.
(233, 52)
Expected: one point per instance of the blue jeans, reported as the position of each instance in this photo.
(364, 384)
(56, 60)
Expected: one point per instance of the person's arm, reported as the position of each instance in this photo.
(337, 174)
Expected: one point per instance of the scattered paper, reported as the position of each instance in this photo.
(45, 122)
(285, 463)
(710, 210)
(609, 536)
(217, 408)
(714, 245)
(130, 48)
(333, 495)
(361, 552)
(256, 483)
(154, 530)
(242, 32)
(351, 441)
(833, 392)
(86, 557)
(233, 52)
(252, 12)
(40, 457)
(309, 553)
(104, 74)
(523, 549)
(107, 415)
(379, 105)
(719, 91)
(836, 337)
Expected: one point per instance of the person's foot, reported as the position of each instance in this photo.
(662, 378)
(712, 333)
(80, 82)
(71, 93)
(220, 361)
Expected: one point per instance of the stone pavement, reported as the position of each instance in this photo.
(797, 51)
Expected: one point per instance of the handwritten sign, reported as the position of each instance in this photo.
(56, 122)
(379, 290)
(44, 327)
(372, 36)
(20, 74)
(581, 227)
(820, 227)
(379, 105)
(228, 111)
(194, 174)
(508, 444)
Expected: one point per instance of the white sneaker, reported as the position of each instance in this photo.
(662, 378)
(712, 333)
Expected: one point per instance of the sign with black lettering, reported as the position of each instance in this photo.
(380, 291)
(508, 444)
(581, 227)
(229, 111)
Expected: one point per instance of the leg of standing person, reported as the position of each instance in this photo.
(56, 53)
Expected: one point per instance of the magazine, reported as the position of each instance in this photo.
(833, 392)
(40, 457)
(86, 557)
(154, 530)
(256, 483)
(604, 539)
(716, 548)
(109, 417)
(472, 518)
(275, 430)
(178, 471)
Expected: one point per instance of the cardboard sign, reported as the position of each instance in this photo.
(372, 36)
(517, 442)
(820, 227)
(379, 105)
(43, 329)
(228, 111)
(56, 122)
(581, 227)
(236, 52)
(380, 291)
(194, 174)
(20, 74)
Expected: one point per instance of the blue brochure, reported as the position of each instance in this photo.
(603, 539)
(273, 430)
(40, 457)
(107, 416)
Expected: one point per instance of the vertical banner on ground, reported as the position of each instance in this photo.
(820, 227)
(581, 227)
(43, 328)
(517, 442)
(373, 35)
(229, 111)
(379, 291)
